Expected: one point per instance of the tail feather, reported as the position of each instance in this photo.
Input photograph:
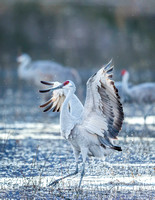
(105, 142)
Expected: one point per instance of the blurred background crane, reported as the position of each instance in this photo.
(34, 71)
(140, 94)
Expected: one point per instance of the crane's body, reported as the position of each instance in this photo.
(91, 128)
(35, 71)
(141, 93)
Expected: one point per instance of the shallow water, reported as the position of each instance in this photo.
(32, 154)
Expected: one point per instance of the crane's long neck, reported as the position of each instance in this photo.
(66, 119)
(76, 107)
(23, 70)
(65, 106)
(125, 85)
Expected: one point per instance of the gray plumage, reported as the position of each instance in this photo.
(141, 93)
(91, 128)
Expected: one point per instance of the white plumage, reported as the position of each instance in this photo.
(89, 129)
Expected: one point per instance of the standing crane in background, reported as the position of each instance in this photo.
(90, 129)
(139, 94)
(45, 70)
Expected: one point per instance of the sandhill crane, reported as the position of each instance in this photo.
(44, 70)
(141, 93)
(90, 129)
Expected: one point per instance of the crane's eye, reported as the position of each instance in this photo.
(66, 83)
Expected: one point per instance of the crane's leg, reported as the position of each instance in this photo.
(147, 113)
(84, 152)
(76, 154)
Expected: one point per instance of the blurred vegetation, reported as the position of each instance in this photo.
(78, 35)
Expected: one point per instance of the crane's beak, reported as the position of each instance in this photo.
(51, 89)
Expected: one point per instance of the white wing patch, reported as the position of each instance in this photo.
(95, 124)
(56, 101)
(58, 97)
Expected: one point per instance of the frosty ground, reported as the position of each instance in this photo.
(32, 154)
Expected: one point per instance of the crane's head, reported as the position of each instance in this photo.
(23, 58)
(67, 85)
(123, 72)
(125, 75)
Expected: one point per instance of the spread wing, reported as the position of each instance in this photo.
(57, 99)
(103, 112)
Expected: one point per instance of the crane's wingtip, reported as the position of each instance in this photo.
(47, 82)
(109, 65)
(43, 91)
(110, 62)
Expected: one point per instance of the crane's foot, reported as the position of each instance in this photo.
(57, 181)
